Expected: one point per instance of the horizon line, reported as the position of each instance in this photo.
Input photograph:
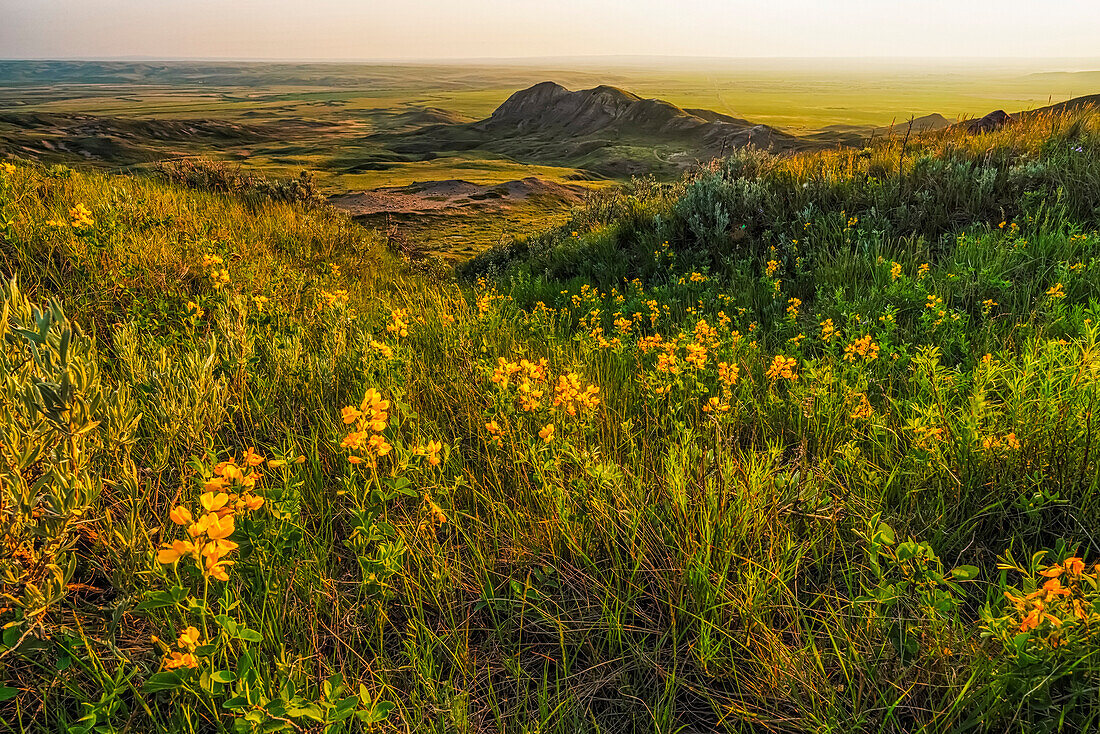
(1016, 60)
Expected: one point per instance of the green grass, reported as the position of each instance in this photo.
(716, 544)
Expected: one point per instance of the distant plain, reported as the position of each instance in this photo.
(327, 118)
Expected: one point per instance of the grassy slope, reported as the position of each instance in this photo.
(778, 561)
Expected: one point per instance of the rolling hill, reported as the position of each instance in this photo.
(605, 130)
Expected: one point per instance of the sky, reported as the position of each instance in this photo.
(459, 29)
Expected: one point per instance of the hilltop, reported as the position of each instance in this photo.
(605, 130)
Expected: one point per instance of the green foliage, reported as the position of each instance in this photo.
(1034, 172)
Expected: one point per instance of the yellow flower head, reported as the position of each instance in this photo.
(219, 527)
(547, 433)
(189, 639)
(180, 515)
(213, 501)
(172, 552)
(178, 659)
(217, 569)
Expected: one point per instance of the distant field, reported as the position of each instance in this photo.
(321, 117)
(784, 93)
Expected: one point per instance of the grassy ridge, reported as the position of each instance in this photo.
(735, 482)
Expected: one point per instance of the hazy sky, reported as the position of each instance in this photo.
(422, 29)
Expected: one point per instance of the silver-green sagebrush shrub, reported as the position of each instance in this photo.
(59, 421)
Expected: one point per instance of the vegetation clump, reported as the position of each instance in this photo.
(207, 174)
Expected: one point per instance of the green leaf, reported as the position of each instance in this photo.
(166, 681)
(376, 713)
(966, 573)
(7, 692)
(223, 676)
(235, 702)
(885, 533)
(249, 635)
(161, 599)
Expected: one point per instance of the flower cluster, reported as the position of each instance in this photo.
(927, 437)
(864, 409)
(218, 275)
(535, 391)
(384, 349)
(495, 433)
(782, 368)
(571, 396)
(863, 347)
(431, 452)
(485, 299)
(1001, 444)
(185, 656)
(1061, 601)
(727, 373)
(696, 355)
(334, 299)
(370, 419)
(80, 217)
(208, 531)
(399, 323)
(716, 405)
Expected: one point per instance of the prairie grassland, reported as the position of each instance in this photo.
(797, 94)
(793, 445)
